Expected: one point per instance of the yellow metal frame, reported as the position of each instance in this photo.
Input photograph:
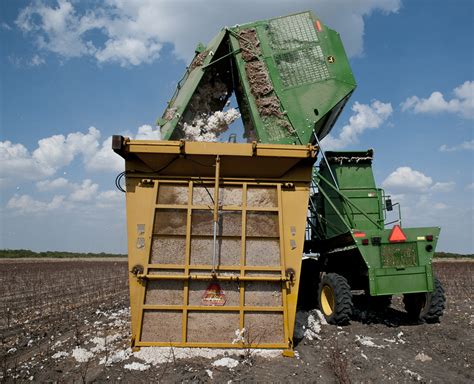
(292, 189)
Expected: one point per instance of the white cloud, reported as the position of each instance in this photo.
(58, 28)
(5, 26)
(129, 51)
(51, 185)
(24, 204)
(466, 145)
(18, 163)
(470, 186)
(36, 61)
(84, 197)
(135, 31)
(443, 186)
(84, 192)
(462, 104)
(146, 132)
(110, 198)
(58, 151)
(105, 159)
(406, 180)
(365, 117)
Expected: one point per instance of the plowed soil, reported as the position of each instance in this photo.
(68, 321)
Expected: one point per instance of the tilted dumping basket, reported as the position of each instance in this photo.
(290, 76)
(215, 238)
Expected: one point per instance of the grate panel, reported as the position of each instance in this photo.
(398, 255)
(303, 66)
(291, 32)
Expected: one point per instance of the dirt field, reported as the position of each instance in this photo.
(68, 321)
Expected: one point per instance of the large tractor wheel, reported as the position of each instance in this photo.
(335, 299)
(427, 306)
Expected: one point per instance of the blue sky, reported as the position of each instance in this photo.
(75, 73)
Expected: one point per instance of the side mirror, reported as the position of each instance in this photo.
(388, 205)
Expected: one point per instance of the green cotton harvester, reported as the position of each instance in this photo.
(290, 79)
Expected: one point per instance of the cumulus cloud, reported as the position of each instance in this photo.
(105, 159)
(51, 185)
(147, 132)
(36, 61)
(18, 162)
(443, 186)
(52, 153)
(461, 104)
(134, 32)
(464, 146)
(110, 198)
(365, 117)
(405, 180)
(84, 192)
(24, 204)
(58, 151)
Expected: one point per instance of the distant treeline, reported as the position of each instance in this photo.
(20, 253)
(451, 255)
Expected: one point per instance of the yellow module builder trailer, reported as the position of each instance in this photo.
(215, 238)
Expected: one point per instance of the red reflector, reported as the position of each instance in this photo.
(429, 237)
(318, 26)
(359, 234)
(365, 241)
(397, 235)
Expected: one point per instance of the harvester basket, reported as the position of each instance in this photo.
(215, 238)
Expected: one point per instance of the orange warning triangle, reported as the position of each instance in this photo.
(397, 235)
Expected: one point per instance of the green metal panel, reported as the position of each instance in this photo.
(304, 69)
(358, 200)
(407, 281)
(404, 267)
(186, 88)
(309, 71)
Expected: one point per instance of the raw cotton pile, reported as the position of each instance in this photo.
(209, 127)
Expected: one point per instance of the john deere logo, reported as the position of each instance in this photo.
(331, 59)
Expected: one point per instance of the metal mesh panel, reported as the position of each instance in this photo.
(299, 58)
(303, 66)
(291, 32)
(397, 255)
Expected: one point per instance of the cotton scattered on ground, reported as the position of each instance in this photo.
(103, 343)
(413, 375)
(136, 366)
(82, 355)
(368, 341)
(308, 325)
(60, 354)
(422, 357)
(226, 362)
(160, 355)
(116, 357)
(209, 373)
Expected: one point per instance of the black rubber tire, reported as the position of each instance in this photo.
(427, 307)
(342, 306)
(380, 303)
